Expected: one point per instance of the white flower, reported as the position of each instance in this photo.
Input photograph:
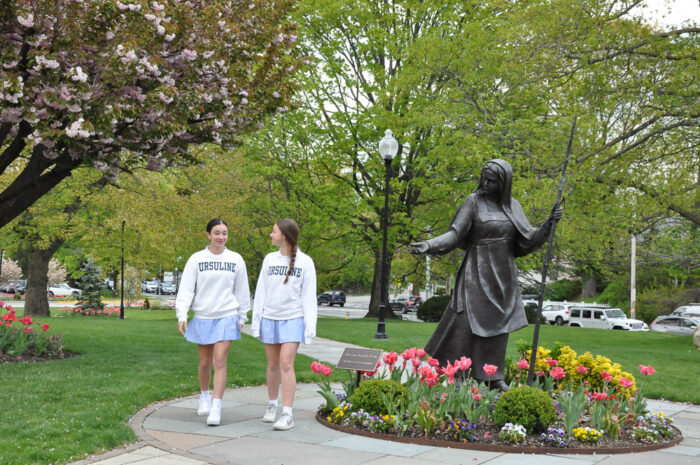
(26, 22)
(160, 29)
(276, 94)
(169, 37)
(190, 55)
(78, 74)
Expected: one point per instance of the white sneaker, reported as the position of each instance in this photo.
(204, 405)
(214, 418)
(285, 422)
(270, 414)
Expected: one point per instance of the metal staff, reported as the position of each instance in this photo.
(547, 259)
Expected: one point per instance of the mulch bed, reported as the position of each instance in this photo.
(533, 443)
(32, 358)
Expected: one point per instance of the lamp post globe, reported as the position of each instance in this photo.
(388, 147)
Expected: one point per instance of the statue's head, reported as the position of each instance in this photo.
(499, 171)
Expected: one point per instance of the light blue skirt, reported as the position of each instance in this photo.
(205, 332)
(281, 331)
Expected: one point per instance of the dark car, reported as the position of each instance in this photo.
(412, 304)
(399, 302)
(167, 288)
(332, 298)
(20, 286)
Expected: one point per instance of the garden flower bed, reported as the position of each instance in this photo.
(581, 404)
(30, 342)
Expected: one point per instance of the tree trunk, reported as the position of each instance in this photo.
(588, 289)
(36, 301)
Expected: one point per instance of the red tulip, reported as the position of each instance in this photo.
(45, 327)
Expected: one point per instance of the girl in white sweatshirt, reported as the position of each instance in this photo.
(284, 314)
(214, 285)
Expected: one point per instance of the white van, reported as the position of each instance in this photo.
(591, 316)
(691, 311)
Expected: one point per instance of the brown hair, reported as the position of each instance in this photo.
(290, 230)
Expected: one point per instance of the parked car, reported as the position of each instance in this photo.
(604, 318)
(63, 290)
(557, 313)
(332, 298)
(399, 302)
(412, 304)
(150, 287)
(675, 324)
(692, 310)
(167, 288)
(19, 286)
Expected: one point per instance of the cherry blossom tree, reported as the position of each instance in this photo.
(10, 271)
(119, 85)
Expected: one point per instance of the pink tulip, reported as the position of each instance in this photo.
(626, 383)
(391, 358)
(599, 396)
(477, 396)
(551, 362)
(646, 370)
(433, 362)
(416, 362)
(523, 364)
(607, 377)
(582, 369)
(316, 367)
(420, 353)
(464, 363)
(557, 373)
(490, 370)
(326, 370)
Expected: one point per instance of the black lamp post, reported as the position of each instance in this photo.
(388, 147)
(121, 306)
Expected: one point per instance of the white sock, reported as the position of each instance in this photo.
(286, 410)
(206, 394)
(273, 402)
(216, 403)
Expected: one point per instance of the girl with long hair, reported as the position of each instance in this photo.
(284, 315)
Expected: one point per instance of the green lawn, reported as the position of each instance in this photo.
(57, 412)
(60, 411)
(674, 357)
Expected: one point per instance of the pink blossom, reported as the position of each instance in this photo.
(551, 362)
(464, 363)
(490, 370)
(646, 370)
(626, 383)
(582, 369)
(557, 373)
(607, 377)
(523, 364)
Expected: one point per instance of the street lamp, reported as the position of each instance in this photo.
(388, 147)
(121, 306)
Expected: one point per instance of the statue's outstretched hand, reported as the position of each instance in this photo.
(419, 248)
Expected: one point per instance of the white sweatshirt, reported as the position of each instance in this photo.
(278, 301)
(214, 286)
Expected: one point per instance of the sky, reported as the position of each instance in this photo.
(672, 12)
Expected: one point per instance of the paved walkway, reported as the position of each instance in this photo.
(170, 433)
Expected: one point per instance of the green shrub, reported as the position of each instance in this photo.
(527, 406)
(368, 398)
(433, 308)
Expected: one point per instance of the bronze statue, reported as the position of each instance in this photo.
(486, 304)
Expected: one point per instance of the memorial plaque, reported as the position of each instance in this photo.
(359, 359)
